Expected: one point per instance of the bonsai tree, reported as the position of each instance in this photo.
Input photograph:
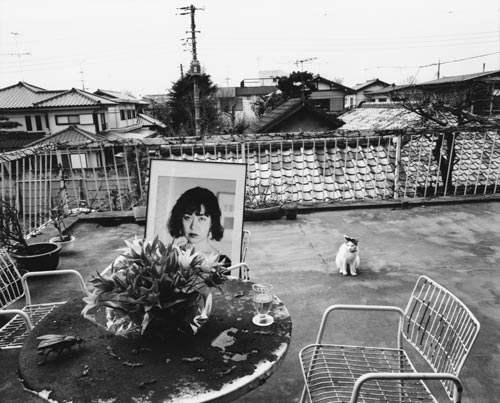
(58, 212)
(11, 230)
(138, 165)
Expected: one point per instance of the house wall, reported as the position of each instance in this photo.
(114, 116)
(354, 100)
(85, 116)
(336, 98)
(86, 120)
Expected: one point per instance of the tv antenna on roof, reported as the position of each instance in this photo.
(18, 54)
(296, 62)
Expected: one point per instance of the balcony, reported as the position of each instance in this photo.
(455, 244)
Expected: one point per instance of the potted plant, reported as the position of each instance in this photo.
(262, 204)
(156, 289)
(290, 210)
(138, 162)
(139, 207)
(29, 257)
(58, 212)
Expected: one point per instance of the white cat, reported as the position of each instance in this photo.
(348, 257)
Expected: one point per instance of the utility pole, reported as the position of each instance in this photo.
(195, 70)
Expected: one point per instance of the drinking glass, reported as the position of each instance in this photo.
(262, 300)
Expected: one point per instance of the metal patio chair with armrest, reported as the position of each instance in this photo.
(244, 270)
(435, 322)
(13, 287)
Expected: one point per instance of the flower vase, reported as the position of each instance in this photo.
(183, 321)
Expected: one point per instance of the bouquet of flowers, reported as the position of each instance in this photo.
(153, 283)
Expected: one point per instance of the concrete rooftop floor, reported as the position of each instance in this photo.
(456, 245)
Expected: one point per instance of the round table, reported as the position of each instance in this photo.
(228, 357)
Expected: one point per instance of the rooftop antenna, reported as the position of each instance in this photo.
(18, 54)
(296, 62)
(82, 79)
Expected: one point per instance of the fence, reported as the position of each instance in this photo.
(345, 169)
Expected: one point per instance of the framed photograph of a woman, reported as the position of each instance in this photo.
(198, 203)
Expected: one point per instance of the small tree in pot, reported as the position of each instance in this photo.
(58, 213)
(30, 257)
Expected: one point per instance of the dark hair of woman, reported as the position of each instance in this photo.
(190, 202)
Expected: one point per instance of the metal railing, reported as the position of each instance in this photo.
(347, 169)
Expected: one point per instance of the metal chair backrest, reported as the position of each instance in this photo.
(11, 287)
(439, 326)
(245, 241)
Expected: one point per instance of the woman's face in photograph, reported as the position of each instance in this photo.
(196, 226)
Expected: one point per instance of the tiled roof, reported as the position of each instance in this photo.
(70, 135)
(23, 95)
(146, 120)
(138, 133)
(334, 174)
(360, 86)
(10, 140)
(269, 117)
(347, 90)
(460, 78)
(285, 110)
(118, 96)
(74, 97)
(384, 116)
(478, 161)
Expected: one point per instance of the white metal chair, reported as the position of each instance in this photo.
(244, 270)
(13, 287)
(435, 322)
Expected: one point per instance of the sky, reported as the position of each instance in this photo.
(138, 46)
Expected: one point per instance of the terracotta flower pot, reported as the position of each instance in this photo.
(66, 246)
(140, 213)
(37, 256)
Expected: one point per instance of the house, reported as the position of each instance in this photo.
(236, 103)
(328, 95)
(479, 90)
(71, 157)
(359, 95)
(295, 115)
(46, 112)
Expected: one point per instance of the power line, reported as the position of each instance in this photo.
(458, 60)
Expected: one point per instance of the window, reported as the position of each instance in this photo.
(323, 104)
(38, 122)
(47, 121)
(29, 127)
(78, 161)
(67, 119)
(122, 114)
(129, 114)
(103, 121)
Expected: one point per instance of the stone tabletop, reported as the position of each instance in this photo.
(227, 358)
